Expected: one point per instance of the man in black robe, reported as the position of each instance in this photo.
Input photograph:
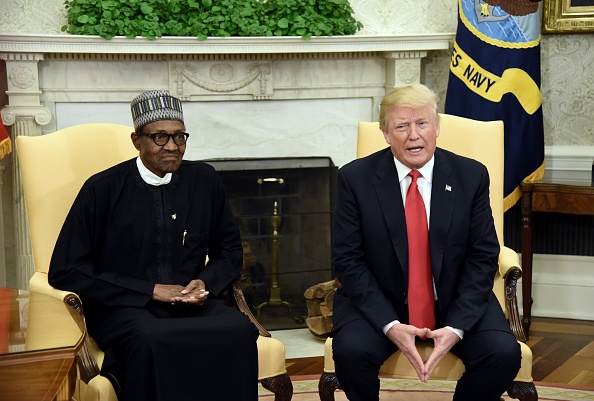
(134, 248)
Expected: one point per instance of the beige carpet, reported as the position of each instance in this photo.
(414, 390)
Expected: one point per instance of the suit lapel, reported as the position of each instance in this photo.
(443, 195)
(388, 192)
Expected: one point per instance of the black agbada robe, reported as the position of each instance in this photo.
(121, 237)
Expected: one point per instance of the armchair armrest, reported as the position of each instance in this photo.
(238, 299)
(38, 283)
(508, 259)
(86, 361)
(511, 271)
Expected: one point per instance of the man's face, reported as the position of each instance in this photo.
(160, 159)
(412, 134)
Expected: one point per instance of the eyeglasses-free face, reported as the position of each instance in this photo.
(161, 138)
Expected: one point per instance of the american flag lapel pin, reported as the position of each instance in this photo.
(448, 188)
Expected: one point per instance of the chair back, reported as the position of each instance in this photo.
(54, 168)
(479, 140)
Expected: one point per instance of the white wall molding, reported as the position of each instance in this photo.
(569, 162)
(562, 286)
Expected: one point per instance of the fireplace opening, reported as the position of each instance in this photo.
(283, 207)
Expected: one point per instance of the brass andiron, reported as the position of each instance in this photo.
(275, 297)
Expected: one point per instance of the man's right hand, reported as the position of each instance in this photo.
(167, 293)
(403, 335)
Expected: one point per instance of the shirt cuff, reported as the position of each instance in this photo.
(459, 332)
(389, 325)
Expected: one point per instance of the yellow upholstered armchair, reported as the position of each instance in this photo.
(482, 141)
(53, 169)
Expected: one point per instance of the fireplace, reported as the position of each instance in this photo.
(283, 207)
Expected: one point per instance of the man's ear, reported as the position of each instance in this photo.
(386, 136)
(135, 140)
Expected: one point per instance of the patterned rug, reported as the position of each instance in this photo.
(305, 388)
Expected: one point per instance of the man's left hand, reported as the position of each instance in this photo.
(195, 293)
(444, 340)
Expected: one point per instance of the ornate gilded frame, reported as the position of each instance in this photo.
(568, 16)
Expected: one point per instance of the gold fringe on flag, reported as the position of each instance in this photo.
(5, 142)
(5, 147)
(516, 194)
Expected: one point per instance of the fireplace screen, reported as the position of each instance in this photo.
(283, 208)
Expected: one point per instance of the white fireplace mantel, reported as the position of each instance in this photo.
(53, 78)
(229, 45)
(50, 70)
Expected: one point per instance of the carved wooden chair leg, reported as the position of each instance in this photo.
(327, 386)
(281, 386)
(523, 391)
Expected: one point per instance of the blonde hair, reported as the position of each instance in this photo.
(417, 96)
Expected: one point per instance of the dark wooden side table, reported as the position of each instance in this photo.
(569, 197)
(39, 342)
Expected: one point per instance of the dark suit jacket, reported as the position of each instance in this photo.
(370, 249)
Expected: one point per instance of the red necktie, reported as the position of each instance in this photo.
(420, 282)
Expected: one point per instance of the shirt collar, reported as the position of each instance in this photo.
(426, 171)
(151, 178)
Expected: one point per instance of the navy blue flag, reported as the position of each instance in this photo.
(495, 75)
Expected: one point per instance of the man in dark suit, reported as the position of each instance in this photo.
(371, 253)
(134, 247)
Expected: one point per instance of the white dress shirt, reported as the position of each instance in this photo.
(149, 177)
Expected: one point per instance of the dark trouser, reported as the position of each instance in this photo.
(491, 359)
(181, 352)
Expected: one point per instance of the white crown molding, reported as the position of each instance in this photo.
(569, 162)
(232, 45)
(570, 152)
